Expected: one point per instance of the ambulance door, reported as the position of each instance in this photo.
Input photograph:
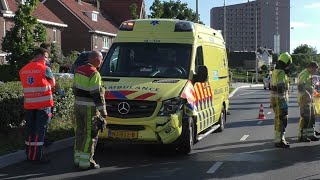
(203, 97)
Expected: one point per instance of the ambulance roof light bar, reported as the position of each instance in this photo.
(183, 26)
(127, 25)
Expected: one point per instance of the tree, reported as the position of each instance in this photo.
(21, 39)
(56, 54)
(303, 55)
(133, 8)
(264, 67)
(304, 49)
(172, 10)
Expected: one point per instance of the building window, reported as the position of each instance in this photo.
(95, 41)
(105, 42)
(54, 39)
(94, 17)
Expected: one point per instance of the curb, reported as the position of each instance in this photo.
(20, 155)
(245, 86)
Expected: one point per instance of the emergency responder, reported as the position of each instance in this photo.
(305, 97)
(37, 81)
(279, 98)
(89, 97)
(47, 46)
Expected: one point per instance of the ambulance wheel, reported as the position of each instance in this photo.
(222, 119)
(187, 136)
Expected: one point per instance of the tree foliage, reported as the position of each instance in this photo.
(264, 67)
(303, 55)
(71, 58)
(133, 9)
(21, 39)
(173, 10)
(56, 54)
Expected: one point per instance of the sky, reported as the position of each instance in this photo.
(304, 18)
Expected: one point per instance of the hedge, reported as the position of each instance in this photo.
(11, 104)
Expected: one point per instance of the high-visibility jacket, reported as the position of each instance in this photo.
(305, 86)
(88, 87)
(36, 87)
(279, 84)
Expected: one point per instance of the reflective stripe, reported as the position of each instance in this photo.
(310, 132)
(84, 156)
(87, 88)
(36, 89)
(85, 103)
(304, 133)
(39, 99)
(34, 143)
(76, 157)
(100, 108)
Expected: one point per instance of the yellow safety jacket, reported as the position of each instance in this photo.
(279, 84)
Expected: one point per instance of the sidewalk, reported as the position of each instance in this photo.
(19, 156)
(239, 85)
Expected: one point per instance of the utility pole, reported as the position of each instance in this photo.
(256, 46)
(224, 22)
(197, 15)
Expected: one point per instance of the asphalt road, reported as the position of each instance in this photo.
(244, 150)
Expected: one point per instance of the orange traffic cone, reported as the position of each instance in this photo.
(261, 113)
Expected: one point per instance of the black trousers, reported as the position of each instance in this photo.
(36, 128)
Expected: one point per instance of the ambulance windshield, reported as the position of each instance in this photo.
(150, 60)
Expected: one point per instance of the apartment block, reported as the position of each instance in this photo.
(260, 23)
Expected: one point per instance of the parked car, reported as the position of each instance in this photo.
(83, 59)
(63, 75)
(315, 79)
(267, 81)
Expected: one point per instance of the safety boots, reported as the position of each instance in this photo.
(308, 139)
(282, 144)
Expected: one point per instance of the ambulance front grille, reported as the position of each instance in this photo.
(130, 108)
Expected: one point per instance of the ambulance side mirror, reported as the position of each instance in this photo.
(201, 75)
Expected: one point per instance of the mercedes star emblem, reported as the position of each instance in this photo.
(123, 108)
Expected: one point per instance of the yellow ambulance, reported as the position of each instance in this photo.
(166, 82)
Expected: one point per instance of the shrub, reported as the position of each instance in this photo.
(6, 73)
(11, 104)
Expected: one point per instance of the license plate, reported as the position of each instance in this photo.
(123, 134)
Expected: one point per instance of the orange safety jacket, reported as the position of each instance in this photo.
(36, 87)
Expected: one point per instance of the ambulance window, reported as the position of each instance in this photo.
(114, 60)
(199, 58)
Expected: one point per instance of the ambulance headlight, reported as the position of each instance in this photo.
(171, 106)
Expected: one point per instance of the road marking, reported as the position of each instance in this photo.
(260, 122)
(269, 112)
(246, 93)
(244, 137)
(214, 167)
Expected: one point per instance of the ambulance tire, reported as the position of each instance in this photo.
(222, 120)
(187, 137)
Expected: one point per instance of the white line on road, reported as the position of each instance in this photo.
(269, 112)
(246, 93)
(214, 167)
(260, 122)
(244, 137)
